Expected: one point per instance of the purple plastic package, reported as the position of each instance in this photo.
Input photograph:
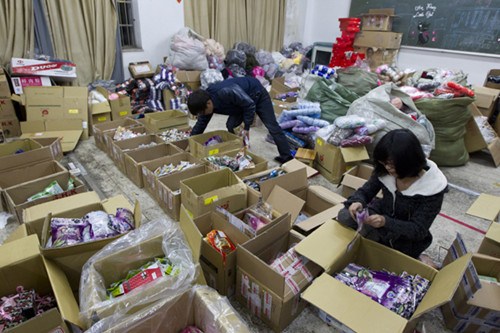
(361, 216)
(123, 221)
(66, 231)
(100, 225)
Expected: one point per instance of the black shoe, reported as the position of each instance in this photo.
(282, 160)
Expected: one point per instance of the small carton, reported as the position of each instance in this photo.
(203, 193)
(109, 137)
(260, 162)
(376, 57)
(168, 191)
(120, 107)
(267, 294)
(491, 84)
(10, 127)
(490, 244)
(219, 270)
(72, 258)
(474, 140)
(341, 246)
(141, 69)
(18, 83)
(119, 148)
(332, 161)
(160, 121)
(354, 178)
(229, 142)
(378, 19)
(21, 264)
(99, 130)
(135, 158)
(486, 99)
(99, 113)
(16, 196)
(150, 178)
(190, 78)
(378, 39)
(33, 151)
(62, 70)
(69, 130)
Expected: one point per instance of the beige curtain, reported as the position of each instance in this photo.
(84, 32)
(17, 34)
(257, 22)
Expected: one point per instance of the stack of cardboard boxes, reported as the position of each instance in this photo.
(9, 123)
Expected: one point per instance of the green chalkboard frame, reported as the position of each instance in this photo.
(469, 26)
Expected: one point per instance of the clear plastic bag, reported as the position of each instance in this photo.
(187, 51)
(210, 76)
(159, 238)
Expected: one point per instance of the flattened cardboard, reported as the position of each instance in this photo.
(490, 244)
(486, 206)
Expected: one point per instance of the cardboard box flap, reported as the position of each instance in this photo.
(111, 204)
(326, 194)
(191, 232)
(50, 321)
(69, 139)
(318, 219)
(19, 233)
(283, 201)
(494, 233)
(19, 250)
(62, 292)
(456, 250)
(294, 164)
(354, 154)
(488, 295)
(485, 96)
(334, 239)
(300, 181)
(486, 206)
(325, 288)
(443, 286)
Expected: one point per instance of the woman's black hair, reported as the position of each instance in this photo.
(402, 148)
(197, 101)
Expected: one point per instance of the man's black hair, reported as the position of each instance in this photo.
(197, 101)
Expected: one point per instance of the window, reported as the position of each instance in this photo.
(126, 22)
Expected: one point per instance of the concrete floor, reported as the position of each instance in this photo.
(479, 175)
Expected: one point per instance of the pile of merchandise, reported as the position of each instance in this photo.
(239, 162)
(123, 133)
(255, 184)
(52, 189)
(168, 169)
(173, 135)
(220, 242)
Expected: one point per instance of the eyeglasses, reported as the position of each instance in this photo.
(388, 165)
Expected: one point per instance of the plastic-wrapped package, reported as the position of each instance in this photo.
(313, 121)
(351, 121)
(236, 70)
(236, 57)
(339, 134)
(188, 51)
(159, 238)
(271, 69)
(264, 57)
(291, 123)
(258, 71)
(210, 76)
(198, 306)
(245, 47)
(305, 129)
(356, 140)
(325, 132)
(212, 47)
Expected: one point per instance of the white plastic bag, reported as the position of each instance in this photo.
(187, 51)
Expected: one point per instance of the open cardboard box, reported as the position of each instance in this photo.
(265, 292)
(16, 196)
(201, 194)
(278, 87)
(161, 121)
(229, 142)
(120, 107)
(332, 161)
(149, 178)
(34, 151)
(486, 99)
(26, 173)
(69, 130)
(109, 137)
(134, 159)
(474, 140)
(341, 246)
(260, 163)
(191, 78)
(119, 148)
(354, 178)
(99, 130)
(492, 72)
(21, 264)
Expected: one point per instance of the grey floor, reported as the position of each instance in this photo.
(479, 175)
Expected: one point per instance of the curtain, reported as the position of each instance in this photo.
(257, 22)
(84, 32)
(43, 43)
(16, 30)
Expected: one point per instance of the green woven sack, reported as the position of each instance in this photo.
(357, 80)
(449, 117)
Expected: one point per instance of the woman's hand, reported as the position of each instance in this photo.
(353, 208)
(376, 221)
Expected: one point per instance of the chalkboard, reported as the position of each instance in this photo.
(460, 25)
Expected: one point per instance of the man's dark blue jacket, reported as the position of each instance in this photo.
(234, 97)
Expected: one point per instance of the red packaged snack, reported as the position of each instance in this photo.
(219, 240)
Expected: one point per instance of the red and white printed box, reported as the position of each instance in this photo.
(30, 67)
(18, 83)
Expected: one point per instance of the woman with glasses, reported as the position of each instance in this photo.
(412, 188)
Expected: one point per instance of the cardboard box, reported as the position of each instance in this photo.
(69, 130)
(486, 206)
(4, 85)
(260, 163)
(135, 158)
(21, 264)
(7, 110)
(34, 151)
(16, 196)
(489, 84)
(99, 130)
(120, 107)
(168, 191)
(190, 78)
(206, 309)
(109, 137)
(332, 161)
(57, 69)
(26, 173)
(341, 246)
(486, 99)
(279, 106)
(19, 83)
(72, 258)
(265, 292)
(355, 177)
(474, 140)
(378, 19)
(378, 39)
(160, 121)
(220, 272)
(141, 69)
(314, 222)
(203, 193)
(99, 113)
(229, 142)
(490, 244)
(119, 148)
(378, 56)
(475, 305)
(150, 179)
(278, 87)
(10, 127)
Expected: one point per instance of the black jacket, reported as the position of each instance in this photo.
(408, 214)
(235, 97)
